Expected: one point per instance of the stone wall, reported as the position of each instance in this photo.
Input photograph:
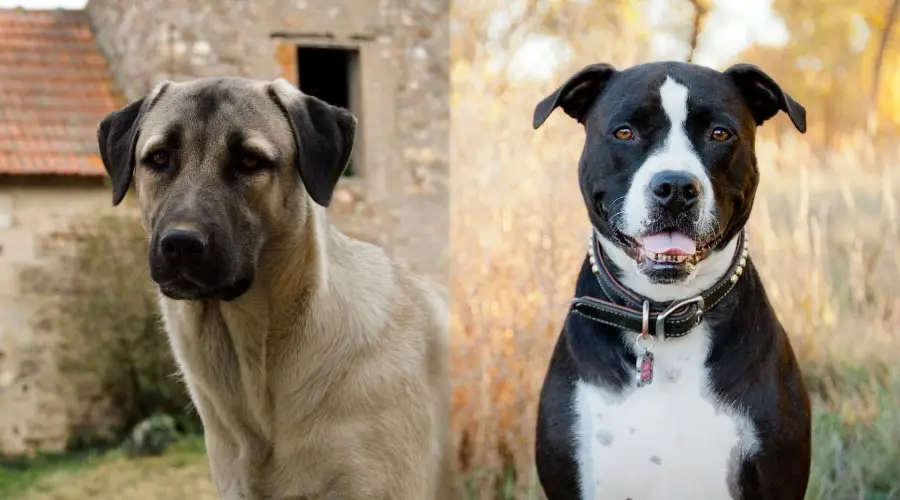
(404, 50)
(35, 400)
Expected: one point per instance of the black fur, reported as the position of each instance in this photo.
(765, 97)
(325, 136)
(751, 362)
(117, 136)
(736, 99)
(576, 95)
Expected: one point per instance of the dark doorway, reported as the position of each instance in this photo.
(331, 75)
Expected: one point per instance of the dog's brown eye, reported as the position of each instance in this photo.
(624, 134)
(160, 160)
(720, 135)
(250, 161)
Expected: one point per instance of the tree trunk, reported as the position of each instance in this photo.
(700, 12)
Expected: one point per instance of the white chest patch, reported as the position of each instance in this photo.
(670, 439)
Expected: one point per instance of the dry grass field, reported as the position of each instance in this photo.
(823, 234)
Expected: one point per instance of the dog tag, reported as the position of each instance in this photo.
(644, 368)
(644, 342)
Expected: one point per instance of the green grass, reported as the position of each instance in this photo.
(856, 455)
(858, 458)
(110, 475)
(20, 474)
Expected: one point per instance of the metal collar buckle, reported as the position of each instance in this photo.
(661, 319)
(645, 329)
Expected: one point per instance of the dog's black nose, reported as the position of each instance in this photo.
(180, 246)
(676, 191)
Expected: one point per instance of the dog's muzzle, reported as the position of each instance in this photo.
(674, 193)
(672, 237)
(187, 265)
(182, 249)
(673, 233)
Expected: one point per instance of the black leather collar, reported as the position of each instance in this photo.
(624, 309)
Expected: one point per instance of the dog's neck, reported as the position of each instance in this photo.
(317, 267)
(298, 256)
(315, 289)
(709, 271)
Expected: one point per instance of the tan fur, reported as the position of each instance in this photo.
(328, 378)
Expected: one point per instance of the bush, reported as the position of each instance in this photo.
(152, 436)
(111, 339)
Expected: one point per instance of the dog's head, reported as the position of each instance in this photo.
(668, 170)
(222, 166)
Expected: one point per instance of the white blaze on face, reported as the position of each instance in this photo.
(676, 154)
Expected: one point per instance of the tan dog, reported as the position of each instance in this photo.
(318, 367)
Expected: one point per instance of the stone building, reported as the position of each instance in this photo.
(386, 60)
(61, 71)
(55, 86)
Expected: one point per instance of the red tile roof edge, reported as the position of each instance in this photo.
(31, 125)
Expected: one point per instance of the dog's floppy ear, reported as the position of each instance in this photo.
(576, 95)
(764, 96)
(117, 136)
(324, 137)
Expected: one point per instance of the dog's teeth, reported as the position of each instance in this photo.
(661, 257)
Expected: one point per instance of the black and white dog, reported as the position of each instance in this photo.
(672, 378)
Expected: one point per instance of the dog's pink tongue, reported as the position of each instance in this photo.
(674, 243)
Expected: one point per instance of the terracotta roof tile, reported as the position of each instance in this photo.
(55, 87)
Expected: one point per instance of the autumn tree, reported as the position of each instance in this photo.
(841, 61)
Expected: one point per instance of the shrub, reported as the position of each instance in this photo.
(152, 436)
(112, 345)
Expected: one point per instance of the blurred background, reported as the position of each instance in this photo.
(90, 403)
(824, 227)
